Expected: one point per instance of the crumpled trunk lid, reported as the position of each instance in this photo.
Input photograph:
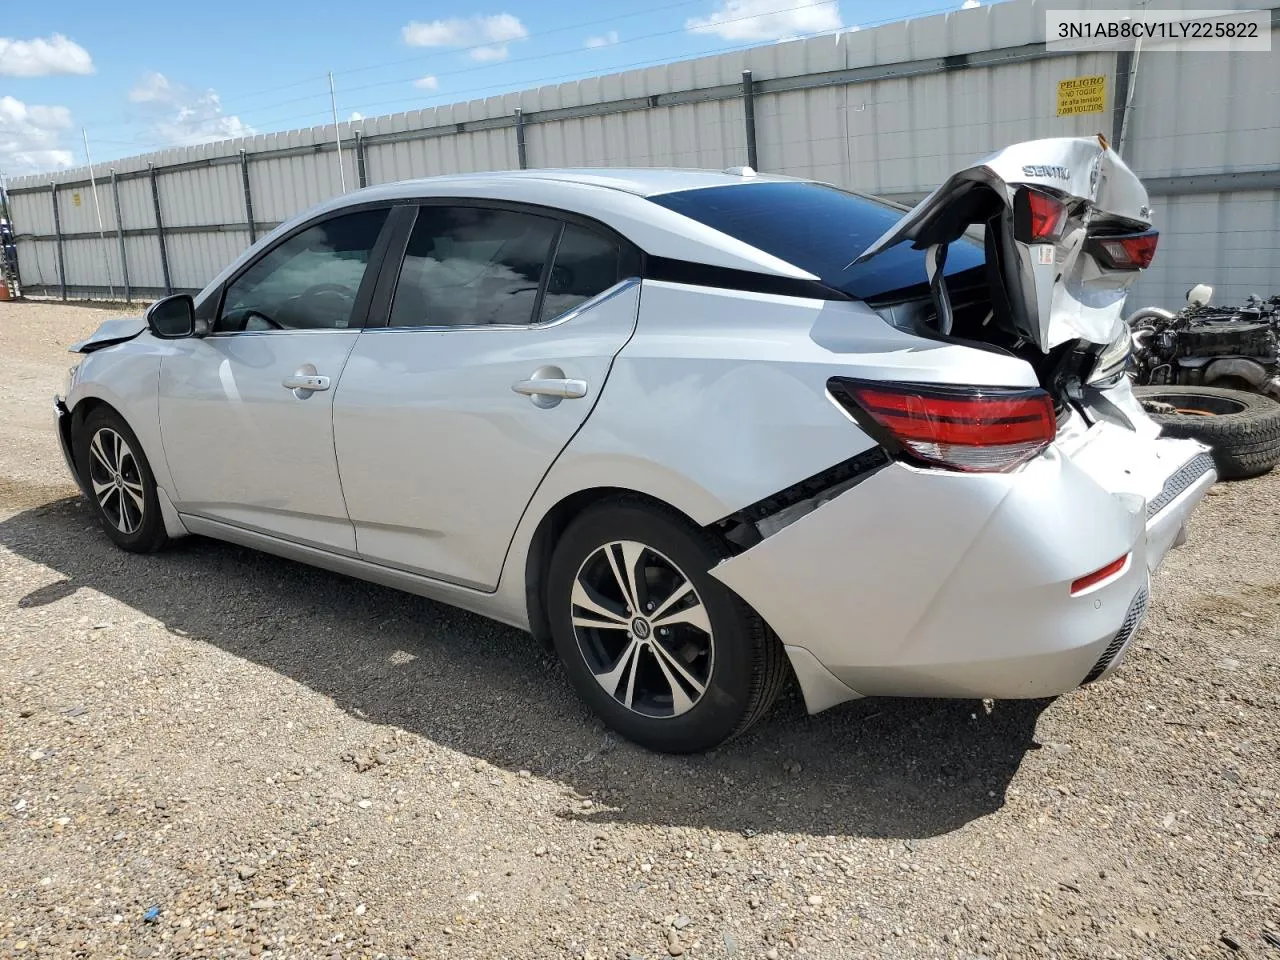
(1047, 292)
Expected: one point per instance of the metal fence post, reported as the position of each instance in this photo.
(749, 117)
(57, 230)
(360, 170)
(1120, 103)
(521, 154)
(164, 252)
(124, 257)
(248, 197)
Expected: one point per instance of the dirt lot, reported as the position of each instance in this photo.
(210, 752)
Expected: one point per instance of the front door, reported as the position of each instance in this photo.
(247, 412)
(501, 333)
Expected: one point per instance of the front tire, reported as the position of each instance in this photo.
(666, 654)
(122, 489)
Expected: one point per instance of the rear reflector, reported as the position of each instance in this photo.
(1133, 251)
(1112, 569)
(1038, 217)
(975, 429)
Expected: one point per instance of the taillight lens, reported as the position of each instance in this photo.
(974, 429)
(1130, 251)
(1038, 217)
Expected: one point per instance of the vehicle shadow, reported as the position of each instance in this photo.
(874, 768)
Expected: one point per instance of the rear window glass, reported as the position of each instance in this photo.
(819, 229)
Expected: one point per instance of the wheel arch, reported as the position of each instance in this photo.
(547, 534)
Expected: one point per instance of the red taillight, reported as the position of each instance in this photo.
(1038, 217)
(1112, 569)
(1133, 251)
(962, 428)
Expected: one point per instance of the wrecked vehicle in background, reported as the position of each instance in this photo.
(1213, 373)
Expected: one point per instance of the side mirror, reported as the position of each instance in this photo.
(172, 318)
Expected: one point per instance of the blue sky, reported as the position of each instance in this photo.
(165, 74)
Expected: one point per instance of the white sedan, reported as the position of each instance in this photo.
(700, 431)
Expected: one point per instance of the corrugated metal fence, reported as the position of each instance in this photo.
(890, 111)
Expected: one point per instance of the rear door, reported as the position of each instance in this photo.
(501, 325)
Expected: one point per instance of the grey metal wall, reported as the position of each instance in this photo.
(889, 111)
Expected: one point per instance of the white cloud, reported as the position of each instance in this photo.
(491, 53)
(428, 82)
(355, 115)
(604, 40)
(485, 37)
(31, 137)
(970, 4)
(42, 57)
(181, 116)
(767, 19)
(154, 88)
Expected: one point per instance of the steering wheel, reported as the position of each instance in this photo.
(241, 320)
(338, 289)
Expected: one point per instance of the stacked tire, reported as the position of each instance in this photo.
(1241, 429)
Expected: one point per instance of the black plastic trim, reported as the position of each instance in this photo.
(1132, 618)
(1178, 481)
(727, 278)
(848, 472)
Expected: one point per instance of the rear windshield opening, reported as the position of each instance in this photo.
(817, 228)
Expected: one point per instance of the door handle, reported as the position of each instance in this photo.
(301, 381)
(561, 388)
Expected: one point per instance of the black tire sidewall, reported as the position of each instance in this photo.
(1243, 444)
(151, 534)
(728, 698)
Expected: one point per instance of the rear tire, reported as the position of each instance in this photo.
(122, 489)
(670, 657)
(1241, 428)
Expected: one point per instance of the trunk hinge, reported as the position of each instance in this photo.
(935, 259)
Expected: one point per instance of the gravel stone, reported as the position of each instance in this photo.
(240, 689)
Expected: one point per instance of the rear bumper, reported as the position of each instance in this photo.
(929, 583)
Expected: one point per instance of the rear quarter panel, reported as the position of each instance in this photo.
(719, 400)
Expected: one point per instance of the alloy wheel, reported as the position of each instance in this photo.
(116, 480)
(642, 629)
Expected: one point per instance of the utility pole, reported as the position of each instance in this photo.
(97, 207)
(337, 137)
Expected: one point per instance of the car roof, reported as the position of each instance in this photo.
(640, 181)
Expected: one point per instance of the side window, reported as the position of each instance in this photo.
(472, 265)
(309, 282)
(586, 264)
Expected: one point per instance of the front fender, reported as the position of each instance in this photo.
(127, 378)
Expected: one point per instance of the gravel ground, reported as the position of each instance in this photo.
(211, 752)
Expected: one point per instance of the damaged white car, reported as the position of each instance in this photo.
(698, 430)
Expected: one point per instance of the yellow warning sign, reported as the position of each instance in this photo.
(1082, 95)
(75, 199)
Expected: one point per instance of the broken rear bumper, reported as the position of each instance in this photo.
(931, 583)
